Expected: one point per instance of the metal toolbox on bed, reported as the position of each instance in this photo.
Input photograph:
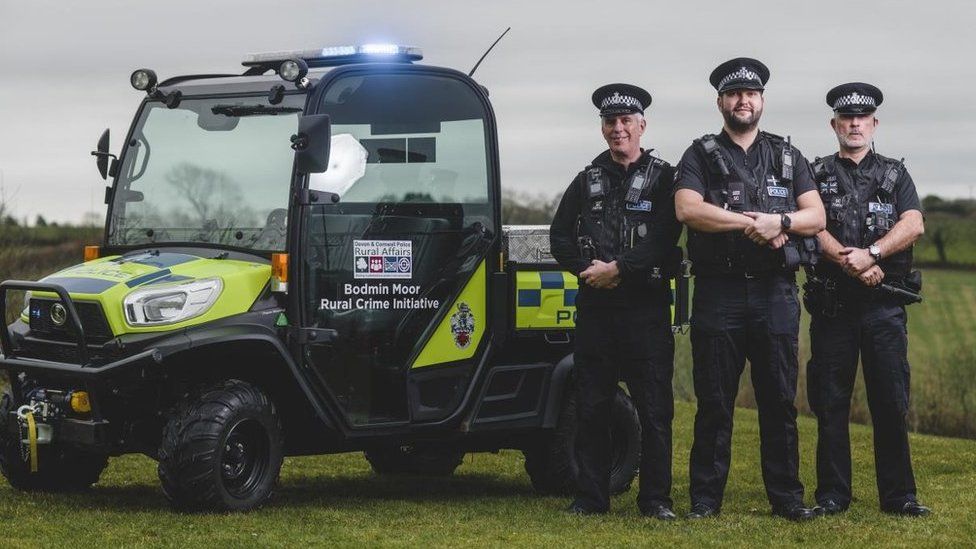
(526, 244)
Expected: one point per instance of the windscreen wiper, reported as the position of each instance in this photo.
(252, 110)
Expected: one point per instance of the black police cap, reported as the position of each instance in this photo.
(741, 73)
(616, 99)
(854, 98)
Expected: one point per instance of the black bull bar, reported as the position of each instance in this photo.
(12, 363)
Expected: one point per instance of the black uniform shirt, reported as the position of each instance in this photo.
(867, 179)
(636, 263)
(694, 172)
(906, 196)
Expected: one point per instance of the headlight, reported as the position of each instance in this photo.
(171, 304)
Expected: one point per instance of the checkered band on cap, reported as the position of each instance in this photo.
(741, 74)
(854, 99)
(618, 100)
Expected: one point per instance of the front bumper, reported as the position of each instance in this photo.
(87, 433)
(113, 374)
(50, 368)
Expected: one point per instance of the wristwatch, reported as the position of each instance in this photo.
(785, 222)
(875, 252)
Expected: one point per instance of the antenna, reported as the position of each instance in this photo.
(491, 47)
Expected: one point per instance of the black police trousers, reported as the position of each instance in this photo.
(876, 330)
(636, 345)
(735, 318)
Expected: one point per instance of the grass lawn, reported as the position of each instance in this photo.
(336, 500)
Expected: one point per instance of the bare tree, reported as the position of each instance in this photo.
(201, 187)
(216, 201)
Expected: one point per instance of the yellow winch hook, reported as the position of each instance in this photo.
(32, 439)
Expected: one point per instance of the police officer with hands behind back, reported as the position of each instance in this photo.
(748, 200)
(856, 299)
(615, 227)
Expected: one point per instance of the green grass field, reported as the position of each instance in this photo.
(336, 500)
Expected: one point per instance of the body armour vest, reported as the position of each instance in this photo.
(766, 188)
(859, 215)
(616, 219)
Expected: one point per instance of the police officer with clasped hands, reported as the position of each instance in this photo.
(616, 229)
(748, 200)
(856, 300)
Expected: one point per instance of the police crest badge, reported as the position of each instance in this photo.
(462, 325)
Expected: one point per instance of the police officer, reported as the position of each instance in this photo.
(873, 218)
(748, 199)
(615, 227)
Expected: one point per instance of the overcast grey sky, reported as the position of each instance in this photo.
(64, 70)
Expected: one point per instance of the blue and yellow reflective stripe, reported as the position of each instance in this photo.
(545, 300)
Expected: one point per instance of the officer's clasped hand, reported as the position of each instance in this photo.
(871, 277)
(765, 229)
(601, 274)
(779, 241)
(855, 260)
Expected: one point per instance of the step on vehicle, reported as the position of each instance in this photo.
(306, 258)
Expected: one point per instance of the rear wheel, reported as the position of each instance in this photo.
(551, 464)
(223, 451)
(408, 460)
(59, 469)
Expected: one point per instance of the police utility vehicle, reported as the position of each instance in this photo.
(306, 258)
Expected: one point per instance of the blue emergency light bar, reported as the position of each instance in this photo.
(338, 55)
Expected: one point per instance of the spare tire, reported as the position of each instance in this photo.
(551, 463)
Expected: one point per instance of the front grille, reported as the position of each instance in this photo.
(92, 319)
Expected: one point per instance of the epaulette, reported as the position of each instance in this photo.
(659, 162)
(893, 171)
(820, 166)
(708, 143)
(592, 183)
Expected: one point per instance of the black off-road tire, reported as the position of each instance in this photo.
(430, 461)
(59, 469)
(551, 464)
(222, 451)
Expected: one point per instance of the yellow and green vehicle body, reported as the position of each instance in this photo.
(102, 285)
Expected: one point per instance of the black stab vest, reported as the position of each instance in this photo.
(616, 219)
(767, 188)
(859, 216)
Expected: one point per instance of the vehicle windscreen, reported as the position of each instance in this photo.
(210, 171)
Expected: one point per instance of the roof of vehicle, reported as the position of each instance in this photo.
(262, 68)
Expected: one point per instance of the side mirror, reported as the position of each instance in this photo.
(102, 156)
(311, 143)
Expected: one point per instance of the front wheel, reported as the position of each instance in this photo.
(551, 463)
(222, 451)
